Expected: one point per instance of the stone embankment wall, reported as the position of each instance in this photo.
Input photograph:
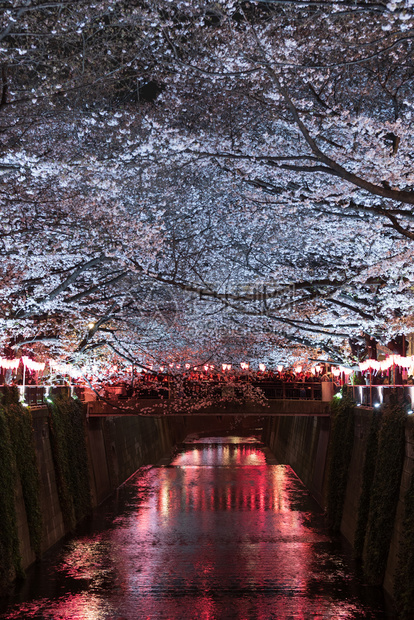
(116, 448)
(303, 443)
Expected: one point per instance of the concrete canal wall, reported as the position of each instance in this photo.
(116, 448)
(303, 442)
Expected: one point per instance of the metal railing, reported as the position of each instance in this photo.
(193, 389)
(38, 395)
(363, 395)
(290, 390)
(377, 395)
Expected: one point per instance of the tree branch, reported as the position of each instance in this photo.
(384, 192)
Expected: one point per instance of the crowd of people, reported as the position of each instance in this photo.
(192, 381)
(146, 378)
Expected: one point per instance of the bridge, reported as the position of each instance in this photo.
(279, 398)
(171, 407)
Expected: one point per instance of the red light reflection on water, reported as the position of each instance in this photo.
(217, 535)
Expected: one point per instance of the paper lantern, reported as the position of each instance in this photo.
(9, 364)
(67, 369)
(32, 365)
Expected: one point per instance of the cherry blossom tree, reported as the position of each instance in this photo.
(197, 181)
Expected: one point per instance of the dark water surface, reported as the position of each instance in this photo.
(222, 532)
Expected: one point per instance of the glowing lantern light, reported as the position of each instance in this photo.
(280, 368)
(262, 367)
(66, 369)
(244, 366)
(31, 365)
(391, 360)
(188, 366)
(298, 369)
(9, 364)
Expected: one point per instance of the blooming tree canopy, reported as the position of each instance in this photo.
(192, 181)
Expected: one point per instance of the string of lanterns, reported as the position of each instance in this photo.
(390, 361)
(64, 369)
(33, 366)
(9, 364)
(69, 369)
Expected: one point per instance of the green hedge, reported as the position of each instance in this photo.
(17, 460)
(385, 490)
(67, 433)
(10, 561)
(404, 579)
(367, 481)
(339, 457)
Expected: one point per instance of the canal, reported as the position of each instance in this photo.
(220, 531)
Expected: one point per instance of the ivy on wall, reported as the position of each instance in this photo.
(17, 460)
(339, 457)
(21, 432)
(385, 490)
(404, 578)
(10, 561)
(67, 433)
(367, 481)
